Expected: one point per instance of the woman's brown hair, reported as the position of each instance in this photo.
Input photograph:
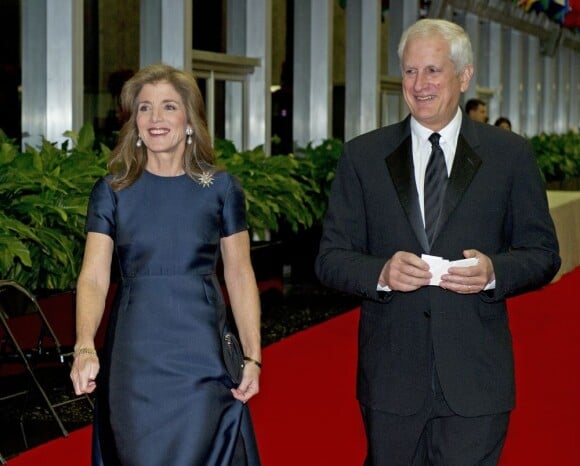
(128, 161)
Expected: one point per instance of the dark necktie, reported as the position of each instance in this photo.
(435, 184)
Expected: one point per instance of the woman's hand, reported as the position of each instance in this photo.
(84, 371)
(250, 384)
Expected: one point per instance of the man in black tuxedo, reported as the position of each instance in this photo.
(435, 369)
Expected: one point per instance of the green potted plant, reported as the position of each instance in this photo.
(276, 187)
(558, 156)
(285, 197)
(43, 199)
(318, 164)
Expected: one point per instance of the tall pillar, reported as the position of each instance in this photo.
(490, 65)
(512, 77)
(548, 94)
(362, 67)
(471, 27)
(52, 70)
(401, 15)
(574, 122)
(249, 34)
(532, 78)
(165, 33)
(312, 90)
(562, 102)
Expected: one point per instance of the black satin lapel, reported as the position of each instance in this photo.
(465, 166)
(400, 166)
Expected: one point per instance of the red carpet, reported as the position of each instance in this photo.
(546, 334)
(307, 413)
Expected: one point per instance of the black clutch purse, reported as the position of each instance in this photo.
(233, 356)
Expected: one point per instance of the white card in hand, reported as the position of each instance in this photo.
(439, 266)
(464, 262)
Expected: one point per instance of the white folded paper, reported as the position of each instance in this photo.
(439, 266)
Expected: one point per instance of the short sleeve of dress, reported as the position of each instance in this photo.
(101, 209)
(234, 211)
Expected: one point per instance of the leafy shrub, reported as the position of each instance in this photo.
(558, 155)
(43, 202)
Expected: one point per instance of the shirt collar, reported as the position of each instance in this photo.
(449, 133)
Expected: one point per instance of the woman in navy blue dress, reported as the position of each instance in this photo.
(170, 216)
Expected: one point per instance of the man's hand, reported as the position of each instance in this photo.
(405, 271)
(467, 280)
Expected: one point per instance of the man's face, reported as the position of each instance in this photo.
(431, 86)
(479, 114)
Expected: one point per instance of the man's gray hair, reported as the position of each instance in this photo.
(460, 51)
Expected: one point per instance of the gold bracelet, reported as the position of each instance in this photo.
(257, 363)
(91, 351)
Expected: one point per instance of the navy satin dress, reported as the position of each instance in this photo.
(163, 392)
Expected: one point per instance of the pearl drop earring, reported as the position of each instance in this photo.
(189, 132)
(139, 142)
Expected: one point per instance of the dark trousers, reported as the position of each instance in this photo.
(433, 436)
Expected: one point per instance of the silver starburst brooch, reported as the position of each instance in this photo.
(205, 179)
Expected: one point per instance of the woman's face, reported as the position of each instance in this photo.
(161, 119)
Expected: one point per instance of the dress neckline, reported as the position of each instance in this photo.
(169, 177)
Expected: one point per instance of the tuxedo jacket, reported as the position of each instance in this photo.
(495, 202)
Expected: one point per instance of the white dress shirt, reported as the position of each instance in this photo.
(421, 147)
